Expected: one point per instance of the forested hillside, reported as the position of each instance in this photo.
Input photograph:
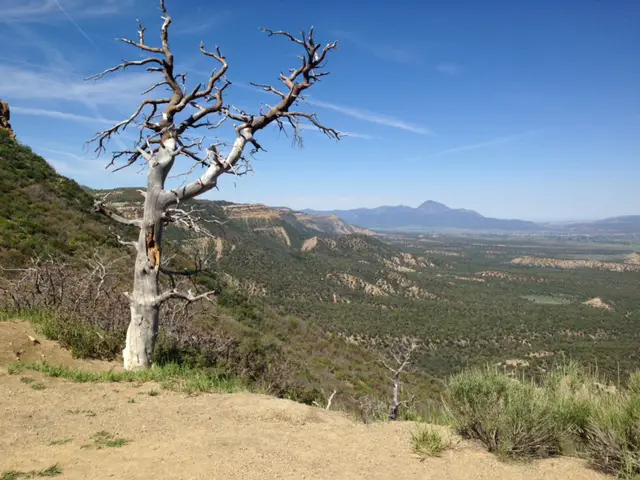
(315, 306)
(524, 302)
(77, 290)
(42, 212)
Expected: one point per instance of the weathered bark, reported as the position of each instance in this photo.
(145, 298)
(158, 122)
(395, 405)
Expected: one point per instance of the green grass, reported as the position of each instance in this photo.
(62, 441)
(83, 339)
(38, 386)
(426, 441)
(567, 411)
(179, 378)
(52, 471)
(613, 435)
(104, 439)
(154, 393)
(27, 380)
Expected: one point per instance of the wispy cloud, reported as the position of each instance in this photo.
(449, 68)
(489, 143)
(75, 24)
(193, 25)
(383, 51)
(41, 11)
(312, 128)
(362, 136)
(20, 83)
(60, 152)
(40, 112)
(50, 83)
(372, 117)
(66, 169)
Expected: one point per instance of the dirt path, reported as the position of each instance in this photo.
(236, 436)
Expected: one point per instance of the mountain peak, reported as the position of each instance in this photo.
(431, 206)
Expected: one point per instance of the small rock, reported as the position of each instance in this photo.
(34, 340)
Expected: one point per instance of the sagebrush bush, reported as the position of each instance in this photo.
(569, 411)
(613, 434)
(512, 418)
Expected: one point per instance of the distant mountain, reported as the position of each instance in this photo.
(430, 215)
(628, 224)
(290, 226)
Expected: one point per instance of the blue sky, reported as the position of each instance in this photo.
(514, 109)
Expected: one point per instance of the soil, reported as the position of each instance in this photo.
(169, 435)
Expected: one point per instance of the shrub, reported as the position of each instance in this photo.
(568, 411)
(613, 434)
(512, 418)
(83, 339)
(426, 441)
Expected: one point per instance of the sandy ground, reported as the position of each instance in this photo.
(212, 436)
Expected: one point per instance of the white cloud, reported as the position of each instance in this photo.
(450, 68)
(61, 152)
(363, 136)
(66, 169)
(372, 117)
(75, 24)
(40, 112)
(47, 11)
(383, 51)
(19, 83)
(488, 143)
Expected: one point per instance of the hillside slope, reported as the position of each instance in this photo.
(42, 212)
(464, 297)
(282, 223)
(160, 434)
(50, 214)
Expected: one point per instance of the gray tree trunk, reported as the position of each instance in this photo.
(145, 297)
(395, 406)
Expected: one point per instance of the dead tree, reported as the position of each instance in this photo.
(329, 401)
(398, 362)
(165, 124)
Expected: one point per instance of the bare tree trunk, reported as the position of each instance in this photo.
(393, 410)
(145, 298)
(157, 120)
(143, 328)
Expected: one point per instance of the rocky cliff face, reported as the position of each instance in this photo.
(326, 224)
(5, 116)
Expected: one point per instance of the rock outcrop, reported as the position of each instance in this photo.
(573, 264)
(598, 303)
(633, 259)
(5, 116)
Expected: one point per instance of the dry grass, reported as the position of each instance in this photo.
(52, 471)
(427, 441)
(569, 411)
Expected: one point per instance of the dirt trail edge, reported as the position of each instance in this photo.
(119, 430)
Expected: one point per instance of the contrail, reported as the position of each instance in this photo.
(84, 34)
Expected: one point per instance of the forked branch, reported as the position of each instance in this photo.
(100, 207)
(199, 106)
(187, 296)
